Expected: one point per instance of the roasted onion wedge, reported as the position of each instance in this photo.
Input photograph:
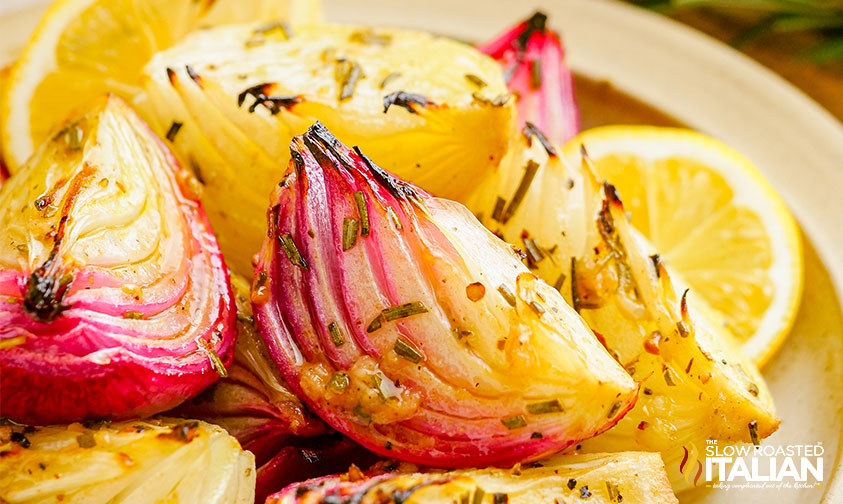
(429, 109)
(256, 406)
(253, 403)
(173, 461)
(630, 477)
(533, 60)
(696, 385)
(114, 298)
(407, 326)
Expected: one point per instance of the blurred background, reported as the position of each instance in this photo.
(801, 40)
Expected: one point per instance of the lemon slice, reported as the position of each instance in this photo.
(84, 48)
(714, 219)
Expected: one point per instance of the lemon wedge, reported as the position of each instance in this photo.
(715, 220)
(84, 48)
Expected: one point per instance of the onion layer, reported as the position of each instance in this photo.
(230, 99)
(697, 384)
(533, 60)
(631, 477)
(408, 327)
(114, 297)
(159, 460)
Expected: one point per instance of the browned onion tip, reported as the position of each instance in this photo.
(533, 61)
(407, 326)
(114, 297)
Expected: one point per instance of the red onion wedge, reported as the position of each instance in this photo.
(114, 297)
(255, 405)
(407, 326)
(533, 60)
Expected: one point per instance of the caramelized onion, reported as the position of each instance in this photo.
(114, 297)
(375, 331)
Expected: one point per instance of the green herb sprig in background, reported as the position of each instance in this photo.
(821, 17)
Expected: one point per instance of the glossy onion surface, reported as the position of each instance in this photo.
(429, 109)
(114, 298)
(158, 460)
(696, 384)
(630, 477)
(407, 326)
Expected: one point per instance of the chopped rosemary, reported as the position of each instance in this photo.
(375, 324)
(74, 138)
(173, 131)
(389, 78)
(479, 494)
(216, 362)
(560, 281)
(614, 493)
(529, 174)
(336, 334)
(292, 251)
(477, 81)
(272, 103)
(572, 484)
(497, 101)
(537, 307)
(347, 74)
(534, 253)
(405, 350)
(682, 329)
(393, 217)
(544, 407)
(531, 130)
(394, 313)
(363, 212)
(500, 498)
(349, 233)
(535, 73)
(753, 433)
(274, 26)
(362, 414)
(514, 422)
(656, 262)
(86, 440)
(406, 101)
(668, 378)
(338, 382)
(507, 294)
(497, 213)
(404, 310)
(536, 435)
(368, 36)
(575, 295)
(614, 409)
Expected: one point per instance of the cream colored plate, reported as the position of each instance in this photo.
(708, 86)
